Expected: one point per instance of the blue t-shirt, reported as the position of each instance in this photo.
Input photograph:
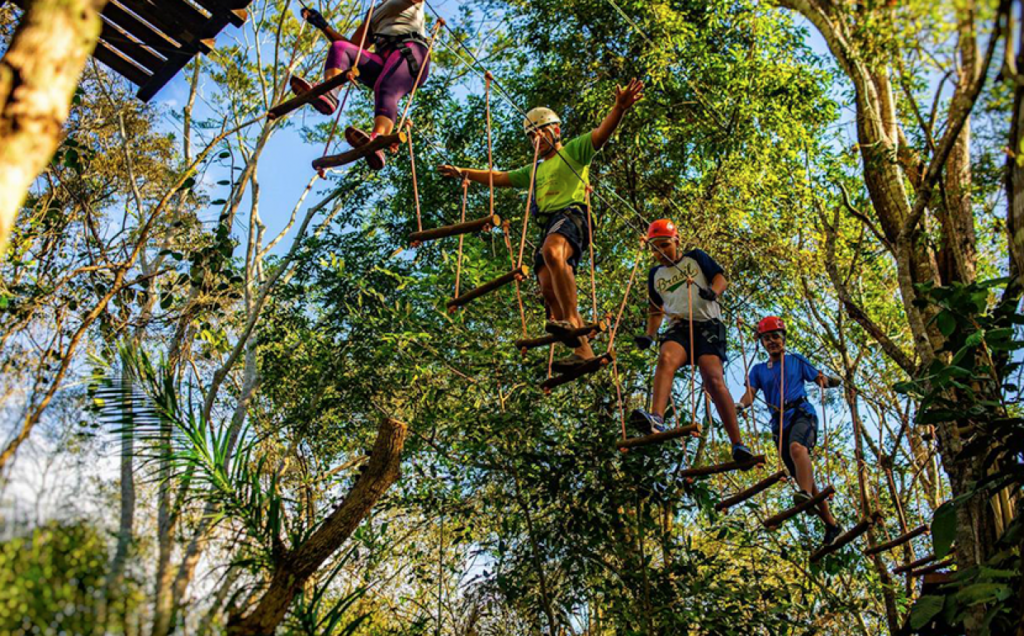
(765, 378)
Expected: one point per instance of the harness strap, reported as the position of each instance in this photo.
(397, 43)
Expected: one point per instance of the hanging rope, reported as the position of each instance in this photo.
(458, 264)
(353, 73)
(618, 394)
(782, 406)
(551, 358)
(419, 76)
(529, 199)
(490, 148)
(689, 354)
(746, 383)
(824, 428)
(625, 298)
(415, 185)
(590, 244)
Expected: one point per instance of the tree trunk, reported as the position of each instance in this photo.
(38, 76)
(295, 568)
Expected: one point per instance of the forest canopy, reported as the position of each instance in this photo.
(242, 395)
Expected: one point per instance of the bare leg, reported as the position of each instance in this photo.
(556, 251)
(713, 373)
(805, 478)
(671, 356)
(331, 72)
(548, 291)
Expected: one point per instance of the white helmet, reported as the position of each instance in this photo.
(539, 117)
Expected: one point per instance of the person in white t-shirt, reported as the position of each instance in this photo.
(678, 280)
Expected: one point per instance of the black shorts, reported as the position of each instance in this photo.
(802, 429)
(709, 337)
(570, 223)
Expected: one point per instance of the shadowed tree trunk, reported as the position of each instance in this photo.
(296, 567)
(38, 76)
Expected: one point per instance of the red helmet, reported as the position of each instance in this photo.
(770, 323)
(662, 228)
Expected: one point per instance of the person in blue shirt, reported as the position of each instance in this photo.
(679, 279)
(799, 420)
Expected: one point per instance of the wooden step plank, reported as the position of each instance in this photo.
(299, 101)
(898, 541)
(347, 157)
(743, 495)
(774, 522)
(714, 469)
(657, 438)
(588, 367)
(520, 273)
(590, 330)
(477, 225)
(847, 537)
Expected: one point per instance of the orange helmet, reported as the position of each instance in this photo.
(662, 228)
(770, 323)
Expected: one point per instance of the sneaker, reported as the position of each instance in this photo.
(568, 363)
(357, 138)
(560, 329)
(800, 497)
(741, 453)
(831, 534)
(324, 104)
(647, 423)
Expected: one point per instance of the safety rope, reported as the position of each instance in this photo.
(551, 358)
(415, 185)
(590, 244)
(458, 263)
(529, 199)
(506, 230)
(824, 428)
(419, 76)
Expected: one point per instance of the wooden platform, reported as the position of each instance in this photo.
(149, 41)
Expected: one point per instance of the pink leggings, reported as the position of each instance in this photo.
(387, 74)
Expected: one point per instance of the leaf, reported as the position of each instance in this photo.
(924, 610)
(983, 593)
(943, 529)
(218, 202)
(946, 322)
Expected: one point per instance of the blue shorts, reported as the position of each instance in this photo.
(570, 223)
(802, 429)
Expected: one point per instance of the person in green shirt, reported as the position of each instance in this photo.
(559, 202)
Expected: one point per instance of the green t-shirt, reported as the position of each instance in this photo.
(557, 185)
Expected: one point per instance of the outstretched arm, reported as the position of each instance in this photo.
(624, 100)
(317, 20)
(501, 179)
(654, 317)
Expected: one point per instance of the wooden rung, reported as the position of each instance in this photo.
(586, 330)
(478, 225)
(914, 564)
(928, 569)
(588, 367)
(379, 143)
(702, 471)
(774, 522)
(846, 537)
(898, 541)
(519, 273)
(743, 495)
(657, 438)
(298, 101)
(121, 64)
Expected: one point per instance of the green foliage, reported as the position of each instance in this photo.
(51, 580)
